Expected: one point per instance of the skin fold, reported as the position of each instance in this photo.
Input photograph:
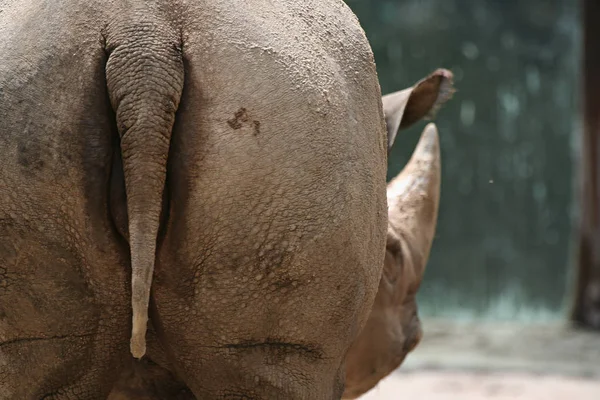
(197, 184)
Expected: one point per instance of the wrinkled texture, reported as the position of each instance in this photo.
(145, 112)
(272, 238)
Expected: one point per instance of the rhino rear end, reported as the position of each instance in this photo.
(144, 75)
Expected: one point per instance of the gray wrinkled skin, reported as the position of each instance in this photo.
(267, 219)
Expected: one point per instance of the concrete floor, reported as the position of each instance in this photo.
(468, 361)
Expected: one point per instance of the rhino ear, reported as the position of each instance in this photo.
(405, 107)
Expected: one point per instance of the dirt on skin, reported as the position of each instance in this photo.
(500, 361)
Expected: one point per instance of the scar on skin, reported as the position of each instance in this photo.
(240, 117)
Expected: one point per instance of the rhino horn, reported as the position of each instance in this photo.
(403, 108)
(413, 201)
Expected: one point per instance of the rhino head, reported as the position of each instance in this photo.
(393, 328)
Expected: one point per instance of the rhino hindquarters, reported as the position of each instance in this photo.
(145, 76)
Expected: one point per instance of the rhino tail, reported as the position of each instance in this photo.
(144, 77)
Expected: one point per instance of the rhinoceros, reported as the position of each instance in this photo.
(393, 328)
(217, 166)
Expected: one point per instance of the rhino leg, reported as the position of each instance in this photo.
(146, 380)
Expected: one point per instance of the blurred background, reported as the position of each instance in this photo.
(514, 256)
(508, 140)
